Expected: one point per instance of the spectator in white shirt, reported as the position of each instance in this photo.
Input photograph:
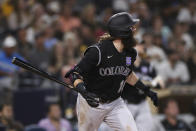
(156, 54)
(174, 71)
(181, 33)
(187, 14)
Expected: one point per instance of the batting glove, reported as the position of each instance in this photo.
(153, 96)
(91, 98)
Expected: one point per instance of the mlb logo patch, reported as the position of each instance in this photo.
(128, 61)
(144, 69)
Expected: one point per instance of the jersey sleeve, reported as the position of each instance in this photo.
(90, 60)
(134, 53)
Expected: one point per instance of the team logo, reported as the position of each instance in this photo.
(128, 61)
(144, 69)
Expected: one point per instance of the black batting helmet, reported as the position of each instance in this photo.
(119, 25)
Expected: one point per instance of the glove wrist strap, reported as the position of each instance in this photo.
(140, 85)
(80, 88)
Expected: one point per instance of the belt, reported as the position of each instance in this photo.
(104, 101)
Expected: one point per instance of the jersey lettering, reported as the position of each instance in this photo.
(111, 71)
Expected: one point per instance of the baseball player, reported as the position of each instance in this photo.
(136, 98)
(101, 75)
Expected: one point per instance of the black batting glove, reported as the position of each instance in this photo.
(153, 96)
(147, 91)
(91, 98)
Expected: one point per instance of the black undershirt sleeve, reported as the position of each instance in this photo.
(89, 61)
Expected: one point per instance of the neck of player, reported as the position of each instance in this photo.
(118, 45)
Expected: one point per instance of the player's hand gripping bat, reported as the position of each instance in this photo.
(92, 100)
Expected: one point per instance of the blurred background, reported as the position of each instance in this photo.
(53, 34)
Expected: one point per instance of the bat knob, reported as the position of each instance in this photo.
(14, 59)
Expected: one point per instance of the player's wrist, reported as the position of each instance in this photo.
(77, 81)
(80, 87)
(139, 84)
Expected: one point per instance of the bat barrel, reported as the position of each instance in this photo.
(37, 71)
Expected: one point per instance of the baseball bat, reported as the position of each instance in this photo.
(37, 71)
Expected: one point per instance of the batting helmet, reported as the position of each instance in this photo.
(119, 25)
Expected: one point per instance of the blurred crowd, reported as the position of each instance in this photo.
(53, 34)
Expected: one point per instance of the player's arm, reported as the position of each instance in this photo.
(80, 71)
(79, 86)
(137, 83)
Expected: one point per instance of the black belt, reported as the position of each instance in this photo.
(104, 101)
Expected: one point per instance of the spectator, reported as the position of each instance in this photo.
(105, 15)
(53, 8)
(192, 66)
(134, 7)
(67, 21)
(159, 28)
(120, 5)
(3, 24)
(54, 122)
(50, 40)
(71, 46)
(193, 124)
(7, 118)
(171, 122)
(7, 69)
(182, 51)
(88, 16)
(180, 33)
(24, 47)
(174, 71)
(169, 10)
(87, 35)
(144, 15)
(158, 41)
(156, 53)
(41, 19)
(139, 33)
(20, 16)
(39, 56)
(57, 60)
(188, 13)
(172, 44)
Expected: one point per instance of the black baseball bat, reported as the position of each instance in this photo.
(38, 71)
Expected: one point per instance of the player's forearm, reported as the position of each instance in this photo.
(76, 80)
(132, 79)
(79, 86)
(136, 82)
